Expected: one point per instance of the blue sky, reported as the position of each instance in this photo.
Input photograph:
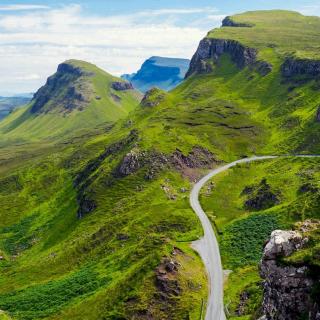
(117, 35)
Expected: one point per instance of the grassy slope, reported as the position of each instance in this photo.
(23, 126)
(49, 250)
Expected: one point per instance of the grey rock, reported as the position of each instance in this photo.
(300, 67)
(122, 85)
(282, 243)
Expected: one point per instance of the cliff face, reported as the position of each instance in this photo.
(210, 50)
(69, 88)
(288, 289)
(300, 67)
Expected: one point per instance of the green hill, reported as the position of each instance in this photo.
(97, 224)
(78, 97)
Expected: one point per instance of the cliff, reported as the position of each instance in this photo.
(210, 50)
(300, 67)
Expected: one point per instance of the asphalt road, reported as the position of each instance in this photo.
(208, 247)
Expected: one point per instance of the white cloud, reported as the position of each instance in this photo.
(310, 10)
(34, 43)
(22, 7)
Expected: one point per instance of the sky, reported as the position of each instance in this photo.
(116, 35)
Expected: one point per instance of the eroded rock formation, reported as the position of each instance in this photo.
(210, 50)
(288, 289)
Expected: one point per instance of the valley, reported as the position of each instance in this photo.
(95, 181)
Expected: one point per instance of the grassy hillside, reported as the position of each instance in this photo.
(97, 224)
(98, 106)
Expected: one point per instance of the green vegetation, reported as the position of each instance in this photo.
(61, 162)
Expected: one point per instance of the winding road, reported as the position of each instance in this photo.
(208, 247)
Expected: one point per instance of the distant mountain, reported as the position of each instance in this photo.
(7, 104)
(164, 73)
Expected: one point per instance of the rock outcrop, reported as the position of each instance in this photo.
(122, 85)
(300, 67)
(85, 178)
(198, 157)
(287, 288)
(260, 196)
(69, 88)
(210, 50)
(153, 98)
(228, 22)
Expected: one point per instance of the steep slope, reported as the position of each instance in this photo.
(164, 73)
(78, 96)
(98, 226)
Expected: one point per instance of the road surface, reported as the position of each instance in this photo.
(208, 247)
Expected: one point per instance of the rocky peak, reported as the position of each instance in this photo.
(69, 88)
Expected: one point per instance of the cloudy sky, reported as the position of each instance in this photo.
(117, 35)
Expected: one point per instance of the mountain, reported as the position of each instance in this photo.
(8, 104)
(164, 73)
(97, 224)
(79, 96)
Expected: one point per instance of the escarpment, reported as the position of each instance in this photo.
(210, 50)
